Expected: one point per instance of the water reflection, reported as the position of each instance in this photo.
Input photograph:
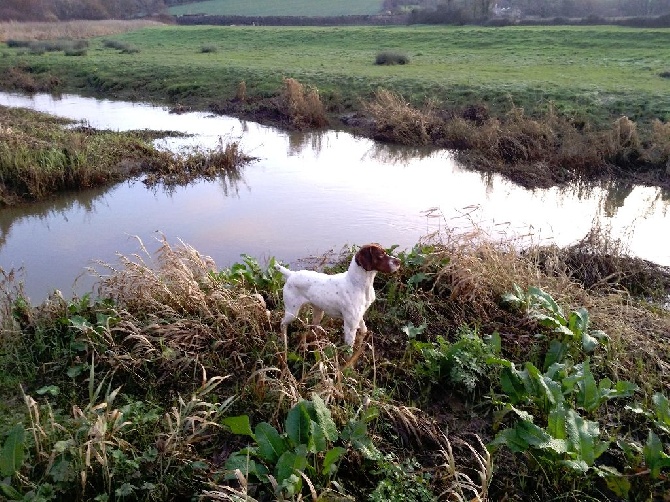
(616, 193)
(307, 193)
(44, 210)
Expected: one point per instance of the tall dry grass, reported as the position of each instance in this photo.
(301, 105)
(533, 150)
(69, 29)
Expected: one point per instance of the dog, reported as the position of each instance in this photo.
(345, 296)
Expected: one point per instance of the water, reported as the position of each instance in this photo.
(306, 194)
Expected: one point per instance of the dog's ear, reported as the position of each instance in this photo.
(365, 258)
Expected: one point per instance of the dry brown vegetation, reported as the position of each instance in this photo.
(301, 105)
(69, 29)
(533, 151)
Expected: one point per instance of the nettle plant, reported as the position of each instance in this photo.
(305, 451)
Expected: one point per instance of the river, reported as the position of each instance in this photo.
(306, 194)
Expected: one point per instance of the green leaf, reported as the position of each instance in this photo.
(124, 490)
(10, 492)
(290, 462)
(11, 455)
(662, 410)
(654, 456)
(546, 301)
(576, 465)
(239, 425)
(556, 353)
(589, 343)
(247, 466)
(52, 390)
(291, 485)
(543, 390)
(494, 342)
(525, 435)
(317, 440)
(537, 437)
(270, 443)
(583, 438)
(556, 422)
(588, 395)
(298, 424)
(512, 384)
(578, 322)
(330, 460)
(324, 419)
(617, 482)
(356, 432)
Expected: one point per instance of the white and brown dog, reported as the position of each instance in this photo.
(346, 295)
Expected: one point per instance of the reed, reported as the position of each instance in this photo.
(69, 30)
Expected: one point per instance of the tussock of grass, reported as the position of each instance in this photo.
(599, 263)
(122, 47)
(172, 301)
(301, 105)
(391, 58)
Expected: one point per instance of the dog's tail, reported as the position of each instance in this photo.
(284, 271)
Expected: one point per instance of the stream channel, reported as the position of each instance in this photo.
(306, 194)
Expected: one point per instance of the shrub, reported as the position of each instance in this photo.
(391, 58)
(75, 52)
(208, 48)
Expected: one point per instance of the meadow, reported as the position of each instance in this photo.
(590, 73)
(270, 8)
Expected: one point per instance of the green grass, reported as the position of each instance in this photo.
(597, 72)
(274, 8)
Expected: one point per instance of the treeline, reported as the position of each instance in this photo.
(62, 10)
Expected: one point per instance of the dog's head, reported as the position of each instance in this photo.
(372, 257)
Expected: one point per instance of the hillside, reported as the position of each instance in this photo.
(284, 8)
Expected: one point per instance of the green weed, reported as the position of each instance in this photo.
(463, 364)
(306, 450)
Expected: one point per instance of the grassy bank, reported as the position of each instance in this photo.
(572, 84)
(40, 156)
(490, 374)
(594, 73)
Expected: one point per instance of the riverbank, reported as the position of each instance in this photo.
(488, 373)
(542, 105)
(41, 155)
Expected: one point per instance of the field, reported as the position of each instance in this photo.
(274, 8)
(592, 73)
